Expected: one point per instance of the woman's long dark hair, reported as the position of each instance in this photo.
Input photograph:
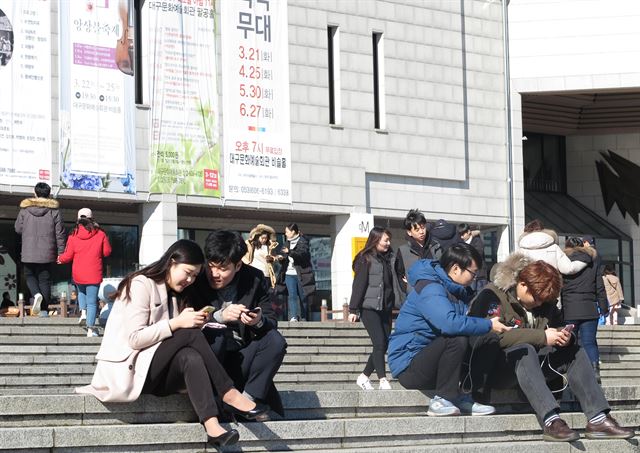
(182, 251)
(375, 236)
(88, 223)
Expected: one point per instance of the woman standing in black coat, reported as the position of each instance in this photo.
(582, 294)
(376, 290)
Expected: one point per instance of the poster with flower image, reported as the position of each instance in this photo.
(97, 121)
(183, 96)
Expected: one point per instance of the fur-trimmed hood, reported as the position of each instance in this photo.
(258, 229)
(49, 203)
(537, 239)
(571, 251)
(505, 274)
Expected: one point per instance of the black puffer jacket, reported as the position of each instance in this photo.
(583, 290)
(445, 234)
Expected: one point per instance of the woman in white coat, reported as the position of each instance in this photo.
(538, 243)
(151, 347)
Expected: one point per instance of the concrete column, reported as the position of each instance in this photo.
(159, 228)
(346, 228)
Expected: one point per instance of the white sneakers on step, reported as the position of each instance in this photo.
(364, 383)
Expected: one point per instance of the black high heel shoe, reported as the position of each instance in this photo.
(249, 415)
(229, 438)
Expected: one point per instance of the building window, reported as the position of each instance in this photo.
(333, 48)
(544, 163)
(379, 106)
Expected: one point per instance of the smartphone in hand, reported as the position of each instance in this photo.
(255, 310)
(208, 309)
(569, 328)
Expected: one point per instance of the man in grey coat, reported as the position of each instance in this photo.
(40, 224)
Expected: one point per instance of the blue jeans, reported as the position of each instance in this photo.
(297, 299)
(587, 330)
(88, 300)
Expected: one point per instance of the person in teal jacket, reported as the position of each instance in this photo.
(431, 335)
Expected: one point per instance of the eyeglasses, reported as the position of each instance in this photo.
(475, 274)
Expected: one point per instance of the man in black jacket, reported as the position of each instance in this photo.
(417, 246)
(243, 329)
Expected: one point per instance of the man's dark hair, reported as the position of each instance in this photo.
(293, 227)
(224, 246)
(42, 190)
(462, 254)
(463, 228)
(414, 218)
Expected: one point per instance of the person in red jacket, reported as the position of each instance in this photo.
(86, 247)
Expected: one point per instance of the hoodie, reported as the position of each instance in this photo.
(39, 222)
(438, 309)
(86, 249)
(543, 245)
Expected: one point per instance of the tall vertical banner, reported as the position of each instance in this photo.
(25, 91)
(97, 99)
(255, 100)
(182, 92)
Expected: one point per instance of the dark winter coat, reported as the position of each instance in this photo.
(581, 291)
(40, 224)
(86, 249)
(445, 234)
(377, 284)
(302, 264)
(499, 299)
(251, 293)
(411, 252)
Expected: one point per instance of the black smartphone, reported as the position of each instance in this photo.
(255, 310)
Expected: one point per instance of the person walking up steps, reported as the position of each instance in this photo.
(39, 222)
(86, 247)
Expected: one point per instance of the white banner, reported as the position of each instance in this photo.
(182, 92)
(25, 87)
(255, 82)
(97, 120)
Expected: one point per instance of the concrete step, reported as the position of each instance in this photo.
(73, 409)
(494, 432)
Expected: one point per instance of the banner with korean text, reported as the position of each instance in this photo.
(255, 100)
(97, 98)
(25, 90)
(183, 95)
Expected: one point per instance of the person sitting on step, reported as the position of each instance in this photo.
(431, 335)
(539, 350)
(244, 332)
(149, 346)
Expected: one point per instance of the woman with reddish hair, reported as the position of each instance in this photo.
(539, 349)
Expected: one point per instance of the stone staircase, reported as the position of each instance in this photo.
(41, 360)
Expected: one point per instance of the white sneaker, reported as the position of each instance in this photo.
(92, 332)
(384, 384)
(440, 407)
(83, 318)
(364, 383)
(294, 319)
(37, 301)
(467, 406)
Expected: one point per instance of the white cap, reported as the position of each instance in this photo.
(85, 212)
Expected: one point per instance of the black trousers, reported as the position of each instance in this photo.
(533, 371)
(252, 367)
(186, 360)
(38, 277)
(437, 367)
(378, 325)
